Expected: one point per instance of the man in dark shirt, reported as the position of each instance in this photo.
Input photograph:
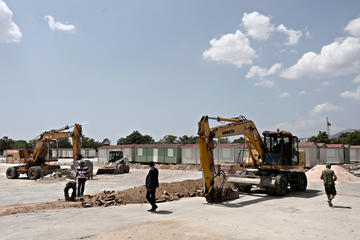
(82, 173)
(152, 182)
(329, 177)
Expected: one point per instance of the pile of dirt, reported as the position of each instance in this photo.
(313, 175)
(60, 175)
(165, 192)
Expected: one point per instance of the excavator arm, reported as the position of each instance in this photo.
(41, 145)
(235, 126)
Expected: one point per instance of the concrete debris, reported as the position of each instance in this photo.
(61, 174)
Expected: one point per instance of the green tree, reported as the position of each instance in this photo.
(20, 144)
(5, 143)
(239, 140)
(135, 138)
(106, 142)
(352, 138)
(188, 139)
(322, 137)
(89, 143)
(62, 143)
(169, 139)
(223, 140)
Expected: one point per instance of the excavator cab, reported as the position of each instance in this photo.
(281, 149)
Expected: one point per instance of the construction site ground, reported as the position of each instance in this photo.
(251, 216)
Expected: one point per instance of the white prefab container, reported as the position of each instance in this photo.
(321, 153)
(65, 153)
(227, 152)
(102, 155)
(190, 154)
(311, 153)
(335, 153)
(70, 153)
(103, 152)
(92, 153)
(355, 153)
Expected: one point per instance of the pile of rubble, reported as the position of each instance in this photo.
(60, 174)
(165, 192)
(343, 175)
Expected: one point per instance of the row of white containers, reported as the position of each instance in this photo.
(68, 153)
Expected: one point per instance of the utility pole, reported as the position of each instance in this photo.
(328, 124)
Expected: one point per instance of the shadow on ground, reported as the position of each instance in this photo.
(263, 196)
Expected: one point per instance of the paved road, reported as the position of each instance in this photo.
(255, 216)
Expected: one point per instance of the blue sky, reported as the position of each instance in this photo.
(158, 66)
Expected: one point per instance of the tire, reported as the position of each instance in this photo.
(281, 184)
(12, 173)
(70, 185)
(34, 173)
(127, 169)
(302, 182)
(120, 169)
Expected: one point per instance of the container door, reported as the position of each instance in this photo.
(155, 155)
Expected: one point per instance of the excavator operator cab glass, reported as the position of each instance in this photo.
(115, 155)
(278, 149)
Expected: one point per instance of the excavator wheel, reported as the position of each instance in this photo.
(127, 169)
(34, 173)
(281, 184)
(12, 173)
(70, 185)
(302, 182)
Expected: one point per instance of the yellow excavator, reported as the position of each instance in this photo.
(33, 162)
(270, 165)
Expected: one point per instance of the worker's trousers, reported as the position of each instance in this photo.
(150, 196)
(81, 186)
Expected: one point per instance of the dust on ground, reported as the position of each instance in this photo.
(343, 175)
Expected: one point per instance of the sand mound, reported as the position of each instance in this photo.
(313, 175)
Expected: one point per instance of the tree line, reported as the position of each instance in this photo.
(133, 138)
(352, 138)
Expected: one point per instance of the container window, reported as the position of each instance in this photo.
(140, 151)
(170, 152)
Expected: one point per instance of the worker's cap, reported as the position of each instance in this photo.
(328, 165)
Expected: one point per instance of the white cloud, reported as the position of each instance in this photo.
(9, 31)
(352, 95)
(259, 74)
(299, 124)
(303, 92)
(307, 34)
(324, 108)
(256, 71)
(284, 95)
(326, 83)
(53, 25)
(353, 27)
(357, 79)
(341, 57)
(258, 26)
(293, 35)
(233, 48)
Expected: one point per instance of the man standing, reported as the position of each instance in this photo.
(152, 182)
(82, 172)
(329, 177)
